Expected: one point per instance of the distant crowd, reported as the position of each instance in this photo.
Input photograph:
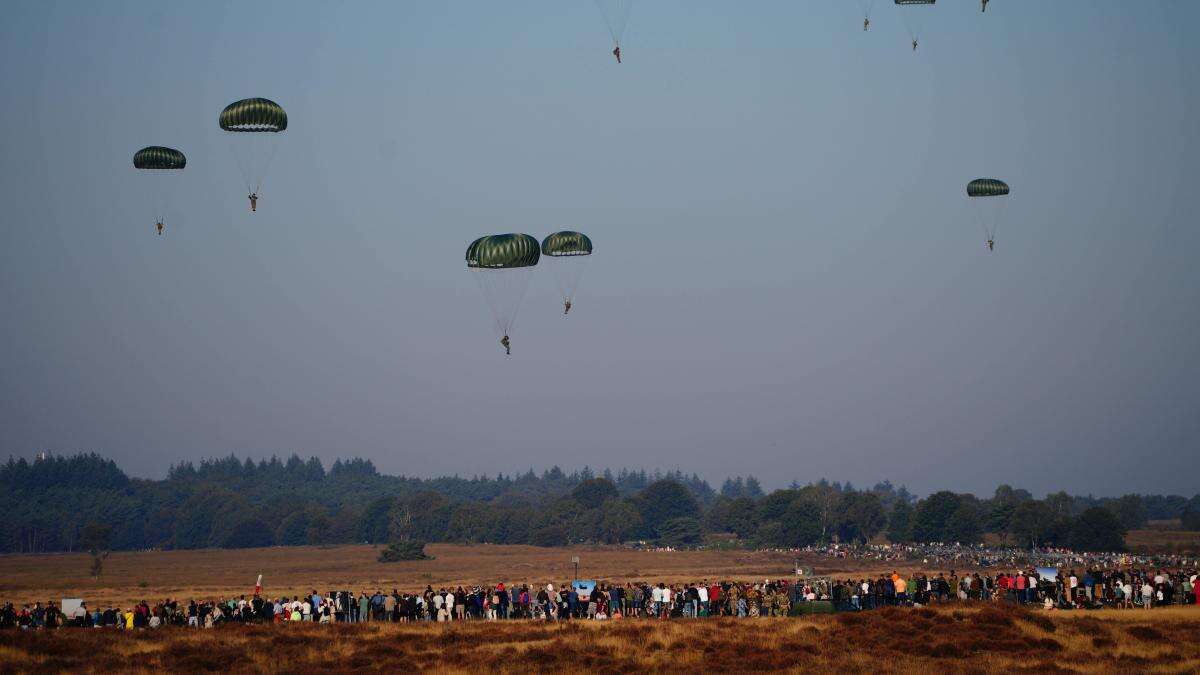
(1091, 588)
(946, 555)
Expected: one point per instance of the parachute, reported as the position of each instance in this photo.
(913, 14)
(990, 196)
(253, 126)
(502, 265)
(616, 15)
(162, 167)
(569, 252)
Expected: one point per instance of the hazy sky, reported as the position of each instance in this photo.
(788, 280)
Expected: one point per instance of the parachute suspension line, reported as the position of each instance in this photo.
(867, 6)
(990, 215)
(616, 16)
(274, 147)
(568, 271)
(503, 290)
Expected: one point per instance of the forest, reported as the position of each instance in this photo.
(68, 503)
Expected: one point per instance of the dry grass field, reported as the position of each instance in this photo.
(153, 575)
(985, 639)
(989, 639)
(1164, 540)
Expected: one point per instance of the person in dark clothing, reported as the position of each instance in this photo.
(617, 53)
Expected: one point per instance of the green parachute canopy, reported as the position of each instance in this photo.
(566, 243)
(502, 265)
(253, 115)
(158, 157)
(503, 251)
(915, 2)
(987, 187)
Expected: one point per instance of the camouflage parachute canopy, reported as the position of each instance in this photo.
(158, 157)
(253, 114)
(503, 251)
(987, 187)
(915, 2)
(566, 243)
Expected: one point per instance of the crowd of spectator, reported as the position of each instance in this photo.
(1050, 588)
(1089, 588)
(945, 555)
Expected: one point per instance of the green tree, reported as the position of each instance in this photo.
(681, 532)
(248, 533)
(1190, 519)
(801, 524)
(319, 527)
(1030, 524)
(963, 524)
(94, 538)
(615, 521)
(400, 551)
(548, 534)
(738, 515)
(664, 500)
(1097, 529)
(932, 514)
(900, 522)
(1001, 506)
(1130, 510)
(373, 524)
(592, 493)
(293, 531)
(859, 516)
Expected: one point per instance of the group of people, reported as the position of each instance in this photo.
(1049, 588)
(1066, 589)
(954, 555)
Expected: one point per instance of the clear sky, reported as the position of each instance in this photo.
(788, 279)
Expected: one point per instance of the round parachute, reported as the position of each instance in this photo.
(159, 169)
(253, 125)
(566, 243)
(253, 115)
(503, 251)
(502, 265)
(567, 254)
(987, 187)
(981, 192)
(158, 157)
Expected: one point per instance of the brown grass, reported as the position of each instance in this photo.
(153, 575)
(1159, 539)
(990, 639)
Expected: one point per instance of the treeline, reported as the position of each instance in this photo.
(45, 505)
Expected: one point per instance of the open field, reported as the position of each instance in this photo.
(1163, 540)
(989, 639)
(149, 575)
(153, 575)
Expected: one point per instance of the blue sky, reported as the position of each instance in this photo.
(788, 279)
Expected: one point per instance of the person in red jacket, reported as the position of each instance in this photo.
(1196, 589)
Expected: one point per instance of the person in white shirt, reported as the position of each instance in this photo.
(656, 598)
(703, 591)
(449, 606)
(666, 602)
